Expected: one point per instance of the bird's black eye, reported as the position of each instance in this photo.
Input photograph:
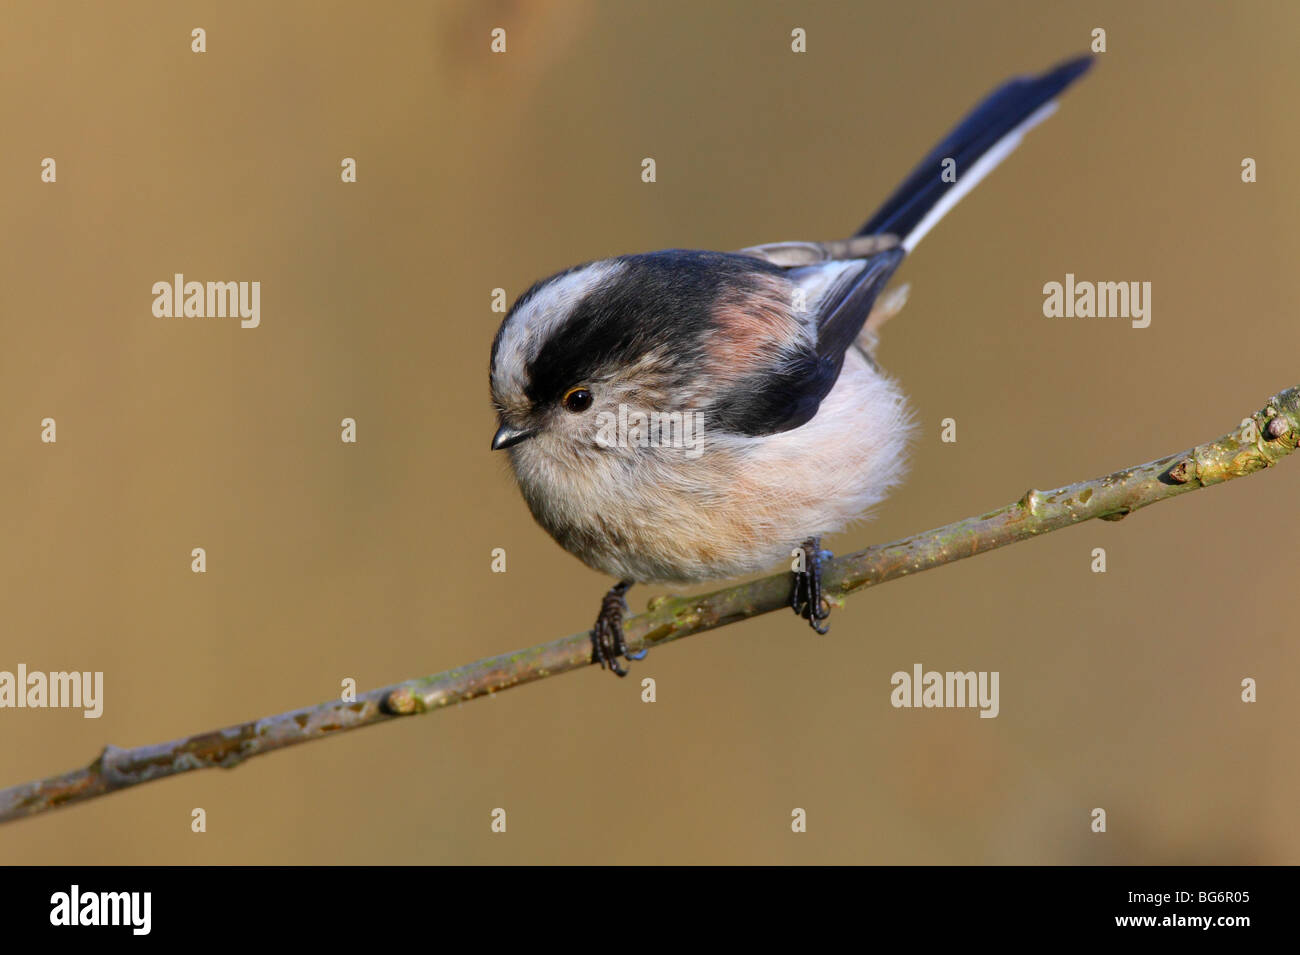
(576, 400)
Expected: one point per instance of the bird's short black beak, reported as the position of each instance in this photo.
(508, 437)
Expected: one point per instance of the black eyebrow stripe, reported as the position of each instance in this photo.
(658, 301)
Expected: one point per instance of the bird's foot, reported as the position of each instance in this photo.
(607, 640)
(806, 598)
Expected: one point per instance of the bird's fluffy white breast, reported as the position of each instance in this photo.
(740, 507)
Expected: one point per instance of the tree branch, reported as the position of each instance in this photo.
(1272, 434)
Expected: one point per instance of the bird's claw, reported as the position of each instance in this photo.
(607, 640)
(806, 597)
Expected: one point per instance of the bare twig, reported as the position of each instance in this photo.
(1272, 433)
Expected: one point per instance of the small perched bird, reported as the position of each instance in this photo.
(679, 416)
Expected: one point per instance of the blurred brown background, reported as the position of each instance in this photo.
(371, 561)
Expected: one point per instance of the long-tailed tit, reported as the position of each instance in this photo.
(680, 416)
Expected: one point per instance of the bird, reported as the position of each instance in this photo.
(686, 415)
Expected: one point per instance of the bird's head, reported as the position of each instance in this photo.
(664, 333)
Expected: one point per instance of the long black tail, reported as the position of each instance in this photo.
(977, 144)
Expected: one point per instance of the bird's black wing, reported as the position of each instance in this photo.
(829, 303)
